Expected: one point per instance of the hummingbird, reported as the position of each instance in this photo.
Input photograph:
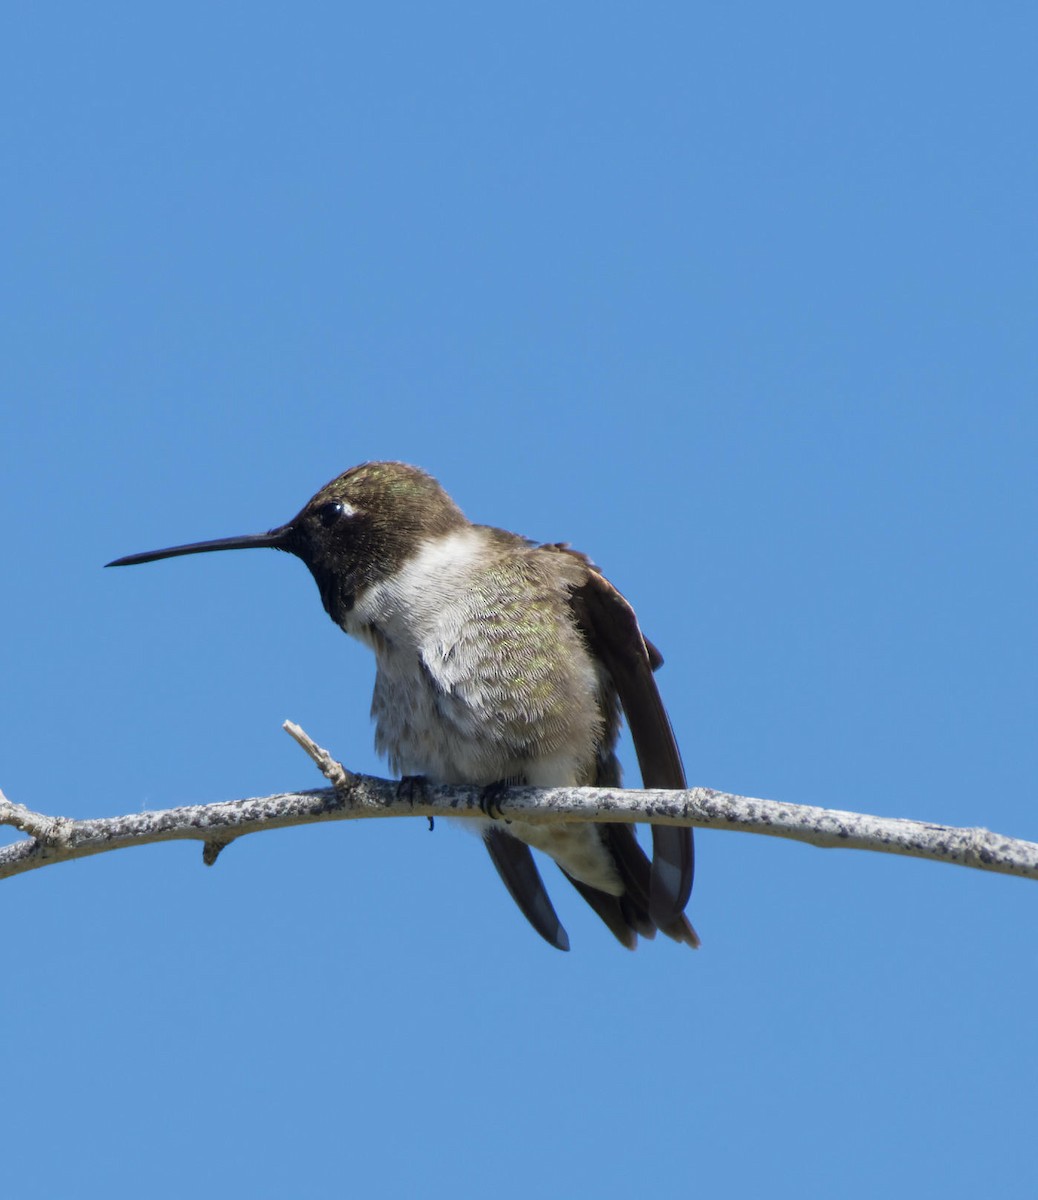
(499, 661)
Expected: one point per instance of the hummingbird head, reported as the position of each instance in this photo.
(357, 530)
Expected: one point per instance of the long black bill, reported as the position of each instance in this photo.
(277, 539)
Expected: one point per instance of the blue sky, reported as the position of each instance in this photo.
(741, 300)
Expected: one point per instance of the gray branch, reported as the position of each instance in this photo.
(61, 839)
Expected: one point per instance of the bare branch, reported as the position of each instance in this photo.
(60, 839)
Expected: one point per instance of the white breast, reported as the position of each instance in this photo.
(416, 604)
(419, 623)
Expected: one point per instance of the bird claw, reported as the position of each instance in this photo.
(490, 797)
(410, 786)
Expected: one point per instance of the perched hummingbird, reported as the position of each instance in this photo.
(500, 661)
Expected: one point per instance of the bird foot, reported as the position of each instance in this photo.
(490, 797)
(411, 786)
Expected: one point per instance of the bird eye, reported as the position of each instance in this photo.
(331, 513)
